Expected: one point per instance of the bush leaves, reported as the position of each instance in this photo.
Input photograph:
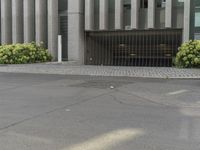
(189, 55)
(24, 53)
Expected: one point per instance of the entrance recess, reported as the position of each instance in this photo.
(132, 48)
(64, 33)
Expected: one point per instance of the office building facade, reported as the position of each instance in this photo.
(104, 32)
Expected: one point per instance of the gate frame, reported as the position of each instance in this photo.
(134, 31)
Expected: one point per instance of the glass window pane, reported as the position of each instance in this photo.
(197, 19)
(62, 5)
(160, 3)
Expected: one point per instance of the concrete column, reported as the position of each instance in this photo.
(6, 22)
(75, 31)
(29, 21)
(135, 5)
(17, 21)
(0, 23)
(189, 14)
(53, 28)
(103, 14)
(118, 14)
(41, 21)
(168, 13)
(151, 14)
(89, 14)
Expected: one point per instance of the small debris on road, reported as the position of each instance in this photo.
(112, 87)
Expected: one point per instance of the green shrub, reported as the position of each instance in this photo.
(24, 53)
(189, 55)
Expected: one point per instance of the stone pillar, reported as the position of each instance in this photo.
(29, 21)
(189, 13)
(103, 14)
(168, 13)
(17, 21)
(53, 28)
(151, 14)
(75, 31)
(118, 14)
(135, 5)
(41, 21)
(89, 14)
(6, 22)
(0, 22)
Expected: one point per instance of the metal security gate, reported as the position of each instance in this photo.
(64, 33)
(132, 48)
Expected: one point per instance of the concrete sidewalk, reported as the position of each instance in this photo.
(71, 68)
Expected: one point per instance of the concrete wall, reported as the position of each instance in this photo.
(76, 31)
(160, 16)
(6, 21)
(25, 21)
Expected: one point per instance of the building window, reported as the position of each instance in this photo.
(62, 5)
(197, 19)
(179, 3)
(160, 3)
(143, 3)
(197, 3)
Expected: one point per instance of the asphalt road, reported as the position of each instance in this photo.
(49, 112)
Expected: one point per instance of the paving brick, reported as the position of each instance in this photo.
(115, 71)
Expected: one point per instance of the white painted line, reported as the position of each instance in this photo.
(107, 141)
(177, 92)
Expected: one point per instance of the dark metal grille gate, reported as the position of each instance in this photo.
(64, 33)
(132, 48)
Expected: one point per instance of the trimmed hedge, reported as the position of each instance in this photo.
(188, 55)
(24, 53)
